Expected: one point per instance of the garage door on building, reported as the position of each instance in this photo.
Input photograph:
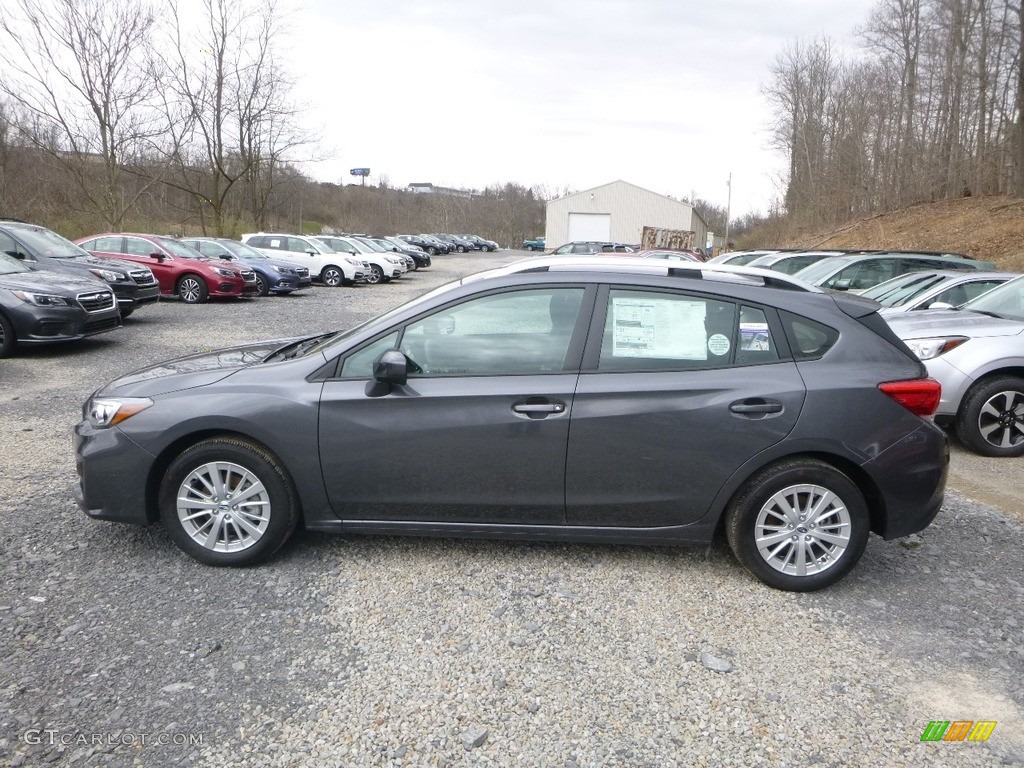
(590, 226)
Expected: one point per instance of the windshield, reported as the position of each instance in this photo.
(901, 294)
(47, 243)
(1006, 300)
(180, 250)
(895, 283)
(372, 245)
(822, 269)
(242, 250)
(10, 265)
(359, 246)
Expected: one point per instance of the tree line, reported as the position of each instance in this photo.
(929, 108)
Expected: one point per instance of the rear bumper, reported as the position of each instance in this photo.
(911, 478)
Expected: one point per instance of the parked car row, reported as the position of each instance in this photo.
(53, 289)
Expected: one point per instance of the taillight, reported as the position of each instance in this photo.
(919, 396)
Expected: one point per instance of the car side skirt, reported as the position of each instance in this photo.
(698, 534)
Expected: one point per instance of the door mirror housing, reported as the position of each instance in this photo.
(391, 367)
(940, 305)
(158, 256)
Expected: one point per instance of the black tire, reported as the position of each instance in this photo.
(991, 417)
(262, 284)
(126, 312)
(376, 275)
(432, 251)
(240, 462)
(530, 248)
(460, 248)
(8, 341)
(192, 289)
(804, 481)
(332, 276)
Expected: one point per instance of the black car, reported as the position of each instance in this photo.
(481, 243)
(420, 257)
(42, 307)
(597, 399)
(431, 245)
(39, 248)
(277, 276)
(457, 243)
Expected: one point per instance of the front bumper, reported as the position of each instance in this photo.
(226, 286)
(112, 474)
(134, 295)
(48, 325)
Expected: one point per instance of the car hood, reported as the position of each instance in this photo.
(45, 281)
(946, 322)
(190, 371)
(100, 263)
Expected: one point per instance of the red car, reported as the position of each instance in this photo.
(180, 270)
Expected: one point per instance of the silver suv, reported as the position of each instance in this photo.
(977, 353)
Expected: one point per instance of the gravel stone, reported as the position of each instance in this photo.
(714, 663)
(475, 738)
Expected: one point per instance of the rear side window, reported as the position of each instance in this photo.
(808, 338)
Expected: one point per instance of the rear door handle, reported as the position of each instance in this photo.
(756, 407)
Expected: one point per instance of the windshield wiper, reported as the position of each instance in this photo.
(296, 348)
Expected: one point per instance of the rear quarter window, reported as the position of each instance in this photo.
(808, 338)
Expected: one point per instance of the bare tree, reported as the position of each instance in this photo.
(78, 70)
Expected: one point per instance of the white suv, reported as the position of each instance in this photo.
(383, 266)
(333, 268)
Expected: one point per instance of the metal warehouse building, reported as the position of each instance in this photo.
(618, 212)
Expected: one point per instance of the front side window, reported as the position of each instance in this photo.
(563, 249)
(647, 330)
(863, 274)
(523, 332)
(359, 365)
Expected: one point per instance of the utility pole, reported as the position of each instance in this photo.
(728, 210)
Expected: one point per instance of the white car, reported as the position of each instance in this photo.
(384, 267)
(332, 268)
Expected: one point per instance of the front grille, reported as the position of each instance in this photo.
(302, 272)
(142, 277)
(97, 301)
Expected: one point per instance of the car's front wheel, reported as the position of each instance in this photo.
(376, 275)
(7, 339)
(192, 289)
(262, 285)
(798, 525)
(226, 501)
(460, 248)
(991, 417)
(332, 277)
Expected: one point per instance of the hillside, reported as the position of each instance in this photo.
(987, 228)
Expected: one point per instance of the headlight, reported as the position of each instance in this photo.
(108, 411)
(927, 349)
(277, 268)
(225, 272)
(106, 274)
(394, 260)
(354, 263)
(42, 299)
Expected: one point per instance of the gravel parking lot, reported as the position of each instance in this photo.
(121, 651)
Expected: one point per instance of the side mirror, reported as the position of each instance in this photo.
(158, 256)
(392, 367)
(841, 285)
(940, 305)
(225, 256)
(311, 252)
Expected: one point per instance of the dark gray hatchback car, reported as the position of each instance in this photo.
(587, 399)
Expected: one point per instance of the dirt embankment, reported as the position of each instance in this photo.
(987, 228)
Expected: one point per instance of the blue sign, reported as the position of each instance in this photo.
(360, 171)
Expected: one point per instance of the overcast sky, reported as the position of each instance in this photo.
(665, 94)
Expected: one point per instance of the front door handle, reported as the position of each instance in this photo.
(537, 408)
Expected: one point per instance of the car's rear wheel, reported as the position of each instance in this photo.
(432, 251)
(798, 525)
(192, 289)
(376, 275)
(332, 277)
(460, 248)
(227, 501)
(7, 339)
(262, 285)
(991, 417)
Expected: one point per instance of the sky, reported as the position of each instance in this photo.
(565, 94)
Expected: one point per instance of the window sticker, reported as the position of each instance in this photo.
(275, 243)
(664, 328)
(719, 345)
(754, 337)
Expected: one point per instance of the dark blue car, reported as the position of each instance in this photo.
(277, 276)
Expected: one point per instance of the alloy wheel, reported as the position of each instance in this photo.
(802, 530)
(223, 507)
(1001, 419)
